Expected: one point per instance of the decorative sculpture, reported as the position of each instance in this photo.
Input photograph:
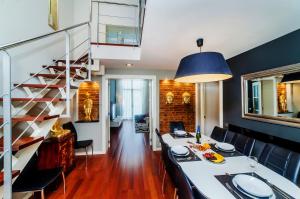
(169, 97)
(57, 130)
(282, 102)
(186, 98)
(88, 106)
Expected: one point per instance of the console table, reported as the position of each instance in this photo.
(57, 152)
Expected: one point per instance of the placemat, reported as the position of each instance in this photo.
(226, 154)
(191, 157)
(188, 135)
(239, 195)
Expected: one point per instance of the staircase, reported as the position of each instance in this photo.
(34, 116)
(31, 109)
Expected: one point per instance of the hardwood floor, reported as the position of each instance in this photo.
(128, 171)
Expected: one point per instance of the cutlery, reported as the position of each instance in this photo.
(232, 190)
(282, 193)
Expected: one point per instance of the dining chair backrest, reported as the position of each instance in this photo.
(218, 134)
(184, 189)
(283, 161)
(176, 125)
(230, 137)
(71, 127)
(258, 148)
(159, 136)
(243, 144)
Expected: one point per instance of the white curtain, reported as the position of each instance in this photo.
(132, 97)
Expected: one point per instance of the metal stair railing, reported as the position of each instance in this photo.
(7, 93)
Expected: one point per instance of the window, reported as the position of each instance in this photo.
(121, 34)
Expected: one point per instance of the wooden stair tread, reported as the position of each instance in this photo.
(53, 76)
(22, 143)
(25, 118)
(14, 174)
(71, 61)
(54, 86)
(72, 68)
(45, 99)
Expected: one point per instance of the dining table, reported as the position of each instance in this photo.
(205, 175)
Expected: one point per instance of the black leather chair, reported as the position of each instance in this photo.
(243, 144)
(283, 161)
(183, 189)
(298, 115)
(258, 148)
(230, 137)
(35, 180)
(218, 134)
(160, 141)
(178, 125)
(83, 144)
(164, 154)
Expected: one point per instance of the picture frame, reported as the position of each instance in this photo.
(53, 14)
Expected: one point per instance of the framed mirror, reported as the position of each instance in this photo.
(272, 95)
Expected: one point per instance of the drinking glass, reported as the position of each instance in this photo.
(252, 161)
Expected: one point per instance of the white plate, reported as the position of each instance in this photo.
(180, 132)
(225, 146)
(179, 150)
(252, 186)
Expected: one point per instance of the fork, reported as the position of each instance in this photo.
(232, 190)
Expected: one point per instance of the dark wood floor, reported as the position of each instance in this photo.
(129, 170)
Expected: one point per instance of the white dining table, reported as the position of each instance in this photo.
(202, 173)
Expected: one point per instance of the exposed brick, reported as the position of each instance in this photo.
(177, 111)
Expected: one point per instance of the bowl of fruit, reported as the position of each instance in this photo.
(214, 157)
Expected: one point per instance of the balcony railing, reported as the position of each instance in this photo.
(118, 23)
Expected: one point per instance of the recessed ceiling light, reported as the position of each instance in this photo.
(129, 65)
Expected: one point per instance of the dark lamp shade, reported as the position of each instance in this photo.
(291, 78)
(203, 67)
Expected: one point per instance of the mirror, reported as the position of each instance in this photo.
(273, 95)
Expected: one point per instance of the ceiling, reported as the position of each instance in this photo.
(231, 27)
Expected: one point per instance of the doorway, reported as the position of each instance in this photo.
(129, 100)
(211, 106)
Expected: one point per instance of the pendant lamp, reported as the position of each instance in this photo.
(203, 67)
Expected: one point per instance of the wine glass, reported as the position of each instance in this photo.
(253, 162)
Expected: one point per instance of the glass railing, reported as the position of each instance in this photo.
(118, 22)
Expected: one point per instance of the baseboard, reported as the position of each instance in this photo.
(79, 153)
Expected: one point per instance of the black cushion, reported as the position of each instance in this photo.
(83, 144)
(230, 137)
(243, 144)
(178, 125)
(32, 179)
(283, 161)
(218, 134)
(38, 180)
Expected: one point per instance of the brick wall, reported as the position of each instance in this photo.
(93, 89)
(177, 111)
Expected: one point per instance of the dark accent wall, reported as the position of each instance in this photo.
(279, 52)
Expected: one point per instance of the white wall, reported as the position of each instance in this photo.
(23, 19)
(296, 99)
